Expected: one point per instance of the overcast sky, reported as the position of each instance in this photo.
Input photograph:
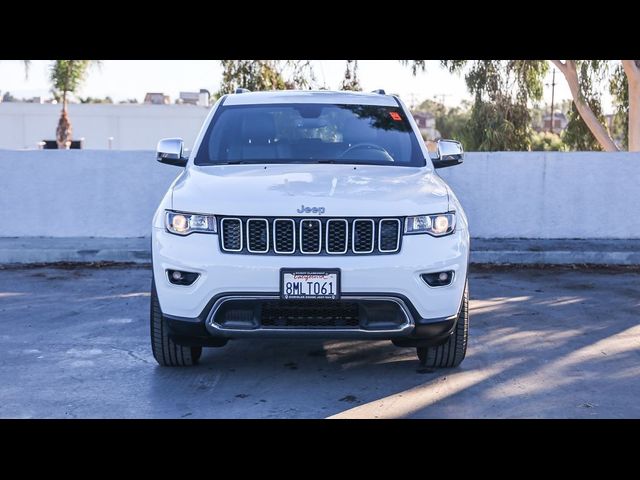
(124, 79)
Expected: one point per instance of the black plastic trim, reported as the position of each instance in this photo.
(431, 330)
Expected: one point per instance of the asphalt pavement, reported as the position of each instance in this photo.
(544, 343)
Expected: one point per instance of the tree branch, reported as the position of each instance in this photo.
(570, 73)
(631, 70)
(561, 66)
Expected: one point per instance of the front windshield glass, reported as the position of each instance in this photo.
(310, 133)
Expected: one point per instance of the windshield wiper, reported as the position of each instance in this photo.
(236, 162)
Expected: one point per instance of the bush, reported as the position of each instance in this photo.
(547, 142)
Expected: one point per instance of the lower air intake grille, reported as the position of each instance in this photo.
(310, 314)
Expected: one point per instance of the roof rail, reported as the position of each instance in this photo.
(379, 91)
(242, 90)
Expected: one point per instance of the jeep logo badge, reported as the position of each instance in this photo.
(318, 210)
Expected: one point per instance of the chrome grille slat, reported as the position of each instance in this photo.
(310, 235)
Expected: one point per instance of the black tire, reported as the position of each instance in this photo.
(165, 351)
(451, 353)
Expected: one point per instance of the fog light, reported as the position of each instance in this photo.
(438, 279)
(178, 277)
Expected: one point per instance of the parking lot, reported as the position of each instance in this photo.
(544, 343)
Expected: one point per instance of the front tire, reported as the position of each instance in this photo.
(165, 351)
(451, 353)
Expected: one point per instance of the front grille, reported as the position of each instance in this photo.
(231, 234)
(389, 235)
(310, 236)
(309, 314)
(257, 235)
(363, 239)
(284, 235)
(310, 240)
(337, 236)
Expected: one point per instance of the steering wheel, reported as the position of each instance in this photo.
(368, 146)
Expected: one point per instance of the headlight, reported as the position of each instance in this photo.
(186, 223)
(436, 225)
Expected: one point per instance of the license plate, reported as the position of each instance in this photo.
(309, 284)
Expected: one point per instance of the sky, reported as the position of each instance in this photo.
(125, 79)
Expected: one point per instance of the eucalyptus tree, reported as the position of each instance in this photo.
(260, 75)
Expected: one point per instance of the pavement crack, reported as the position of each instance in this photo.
(131, 353)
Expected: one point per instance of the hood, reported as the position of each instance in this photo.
(283, 190)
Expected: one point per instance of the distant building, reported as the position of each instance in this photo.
(35, 100)
(200, 98)
(427, 124)
(189, 98)
(157, 98)
(559, 122)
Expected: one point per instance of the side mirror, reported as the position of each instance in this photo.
(449, 153)
(169, 151)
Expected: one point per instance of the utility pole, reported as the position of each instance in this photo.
(553, 91)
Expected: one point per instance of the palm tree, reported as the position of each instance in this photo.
(66, 77)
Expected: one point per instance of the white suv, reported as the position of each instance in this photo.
(309, 214)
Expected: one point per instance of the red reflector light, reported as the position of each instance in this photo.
(395, 116)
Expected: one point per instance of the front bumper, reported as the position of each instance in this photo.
(395, 277)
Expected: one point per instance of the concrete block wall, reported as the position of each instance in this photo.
(543, 195)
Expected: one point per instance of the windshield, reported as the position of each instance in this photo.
(310, 133)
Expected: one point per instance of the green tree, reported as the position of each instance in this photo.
(487, 79)
(619, 89)
(450, 122)
(259, 75)
(96, 100)
(66, 77)
(350, 80)
(453, 124)
(578, 135)
(298, 74)
(583, 76)
(502, 91)
(547, 141)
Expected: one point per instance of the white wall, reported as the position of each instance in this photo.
(506, 195)
(85, 193)
(132, 126)
(549, 194)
